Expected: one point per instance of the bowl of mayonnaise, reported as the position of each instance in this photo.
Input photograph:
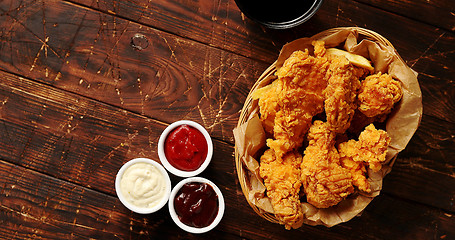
(143, 185)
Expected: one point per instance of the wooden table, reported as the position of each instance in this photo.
(78, 99)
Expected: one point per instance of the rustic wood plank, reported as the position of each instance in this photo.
(437, 13)
(130, 131)
(127, 143)
(436, 76)
(426, 167)
(50, 112)
(216, 23)
(430, 52)
(409, 221)
(71, 137)
(37, 206)
(91, 54)
(101, 63)
(220, 22)
(34, 205)
(78, 144)
(413, 40)
(77, 139)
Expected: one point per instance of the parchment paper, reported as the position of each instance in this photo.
(400, 125)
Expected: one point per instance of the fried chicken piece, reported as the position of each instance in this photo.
(369, 151)
(282, 180)
(325, 181)
(361, 73)
(378, 93)
(293, 120)
(268, 104)
(319, 48)
(343, 84)
(304, 70)
(302, 81)
(357, 169)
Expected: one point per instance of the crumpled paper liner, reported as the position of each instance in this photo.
(401, 124)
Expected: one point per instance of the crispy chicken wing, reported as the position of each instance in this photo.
(369, 151)
(343, 84)
(325, 181)
(268, 104)
(302, 81)
(378, 93)
(282, 180)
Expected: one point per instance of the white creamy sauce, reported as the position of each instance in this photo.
(143, 185)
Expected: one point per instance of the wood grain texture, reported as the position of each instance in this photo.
(426, 166)
(31, 208)
(77, 100)
(431, 51)
(426, 11)
(84, 142)
(90, 54)
(216, 23)
(74, 138)
(90, 63)
(220, 22)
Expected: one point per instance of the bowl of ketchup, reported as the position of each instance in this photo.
(185, 148)
(196, 205)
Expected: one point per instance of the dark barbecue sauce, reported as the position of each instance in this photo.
(196, 204)
(185, 148)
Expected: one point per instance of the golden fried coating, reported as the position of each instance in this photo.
(306, 85)
(302, 81)
(361, 73)
(325, 181)
(369, 151)
(268, 104)
(282, 180)
(378, 93)
(293, 120)
(343, 84)
(304, 70)
(319, 48)
(357, 169)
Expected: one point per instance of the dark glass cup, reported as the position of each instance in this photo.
(279, 14)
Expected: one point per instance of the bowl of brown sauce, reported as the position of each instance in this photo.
(196, 205)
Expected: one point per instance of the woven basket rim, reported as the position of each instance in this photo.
(238, 162)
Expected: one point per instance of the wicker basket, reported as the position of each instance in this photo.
(266, 78)
(365, 33)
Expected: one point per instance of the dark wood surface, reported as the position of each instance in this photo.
(77, 101)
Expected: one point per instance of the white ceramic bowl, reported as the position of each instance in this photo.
(136, 208)
(221, 206)
(166, 163)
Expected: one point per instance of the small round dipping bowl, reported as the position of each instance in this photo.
(175, 217)
(168, 165)
(129, 205)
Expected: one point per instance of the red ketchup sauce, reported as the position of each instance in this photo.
(196, 204)
(185, 148)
